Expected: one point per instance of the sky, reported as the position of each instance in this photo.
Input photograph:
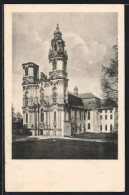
(88, 37)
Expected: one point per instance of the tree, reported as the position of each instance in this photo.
(18, 117)
(17, 121)
(109, 78)
(13, 115)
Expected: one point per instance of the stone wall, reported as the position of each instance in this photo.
(67, 128)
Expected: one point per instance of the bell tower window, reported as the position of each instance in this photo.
(26, 72)
(54, 65)
(55, 47)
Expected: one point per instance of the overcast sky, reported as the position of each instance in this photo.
(89, 38)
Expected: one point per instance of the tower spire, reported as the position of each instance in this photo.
(57, 26)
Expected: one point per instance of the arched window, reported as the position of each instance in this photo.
(41, 94)
(42, 116)
(26, 117)
(54, 116)
(54, 94)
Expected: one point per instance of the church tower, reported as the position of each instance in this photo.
(58, 75)
(30, 95)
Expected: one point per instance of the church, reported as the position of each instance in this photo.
(49, 109)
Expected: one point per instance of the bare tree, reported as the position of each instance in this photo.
(109, 78)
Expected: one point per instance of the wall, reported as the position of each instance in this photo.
(94, 121)
(107, 121)
(67, 128)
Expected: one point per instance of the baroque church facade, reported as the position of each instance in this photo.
(50, 109)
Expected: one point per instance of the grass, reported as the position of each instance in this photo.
(102, 136)
(63, 149)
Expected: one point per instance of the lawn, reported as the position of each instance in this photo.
(56, 148)
(102, 136)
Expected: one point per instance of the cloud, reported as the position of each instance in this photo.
(89, 38)
(85, 58)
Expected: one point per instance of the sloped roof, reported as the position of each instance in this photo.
(87, 95)
(74, 100)
(30, 63)
(77, 100)
(91, 106)
(107, 104)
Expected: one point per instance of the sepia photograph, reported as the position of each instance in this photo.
(64, 98)
(65, 86)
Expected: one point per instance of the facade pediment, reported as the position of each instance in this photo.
(25, 82)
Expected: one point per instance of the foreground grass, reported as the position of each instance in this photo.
(63, 149)
(102, 136)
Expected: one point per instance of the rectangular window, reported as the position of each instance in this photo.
(105, 127)
(84, 115)
(111, 116)
(100, 111)
(105, 111)
(111, 127)
(105, 116)
(101, 117)
(54, 116)
(101, 127)
(75, 114)
(110, 111)
(88, 115)
(88, 125)
(69, 115)
(80, 115)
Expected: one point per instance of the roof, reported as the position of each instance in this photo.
(74, 100)
(91, 105)
(28, 63)
(107, 104)
(87, 95)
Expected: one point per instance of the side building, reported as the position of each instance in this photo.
(102, 116)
